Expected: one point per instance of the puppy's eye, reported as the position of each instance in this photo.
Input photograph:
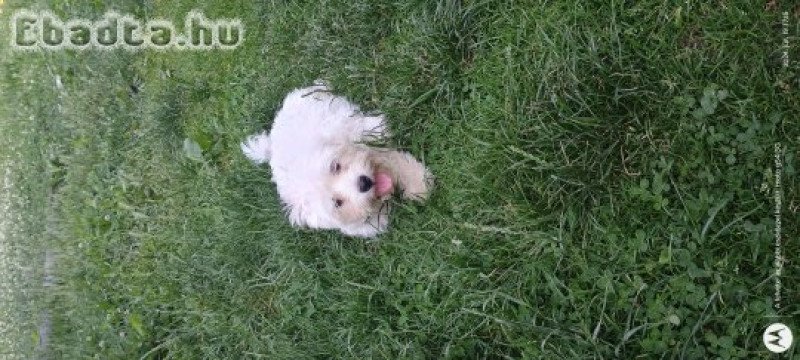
(336, 167)
(338, 203)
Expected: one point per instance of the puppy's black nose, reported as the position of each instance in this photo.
(364, 183)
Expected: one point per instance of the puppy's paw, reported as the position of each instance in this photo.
(374, 128)
(418, 182)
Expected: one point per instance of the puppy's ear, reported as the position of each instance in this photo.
(257, 148)
(410, 174)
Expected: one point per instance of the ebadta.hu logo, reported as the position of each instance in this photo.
(43, 30)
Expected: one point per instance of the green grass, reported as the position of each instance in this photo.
(605, 177)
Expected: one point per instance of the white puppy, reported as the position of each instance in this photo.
(327, 177)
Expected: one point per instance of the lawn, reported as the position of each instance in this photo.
(606, 184)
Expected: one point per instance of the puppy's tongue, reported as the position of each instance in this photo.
(383, 184)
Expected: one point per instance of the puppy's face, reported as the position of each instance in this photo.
(355, 186)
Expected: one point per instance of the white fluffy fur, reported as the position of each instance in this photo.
(317, 154)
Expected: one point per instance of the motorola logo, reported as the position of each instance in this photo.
(778, 338)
